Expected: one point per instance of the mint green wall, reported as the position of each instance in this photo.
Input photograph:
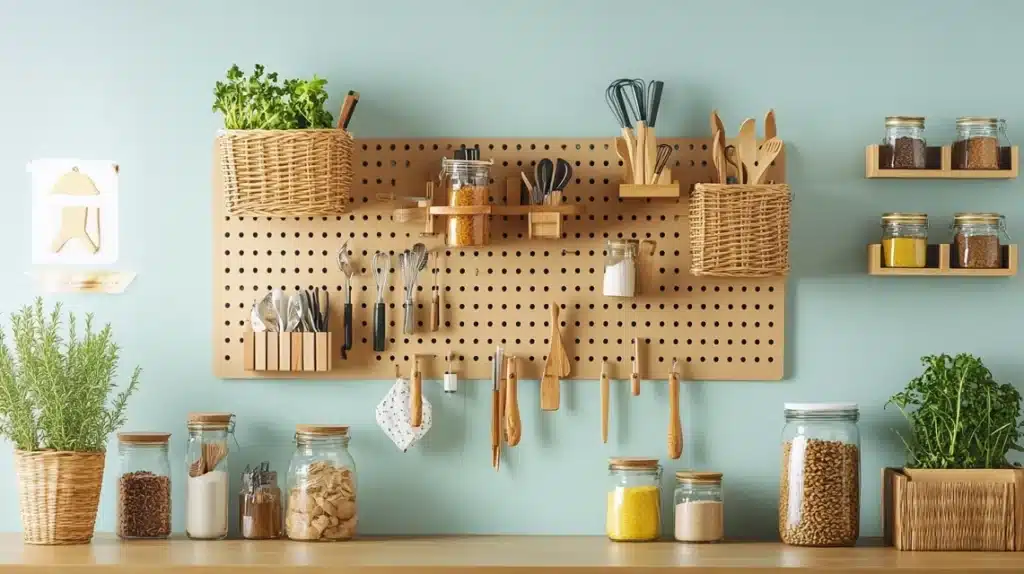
(132, 81)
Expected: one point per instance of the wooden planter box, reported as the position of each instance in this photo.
(953, 509)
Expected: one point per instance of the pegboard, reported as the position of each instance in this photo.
(499, 294)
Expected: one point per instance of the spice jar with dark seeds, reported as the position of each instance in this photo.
(976, 240)
(904, 145)
(979, 143)
(144, 486)
(819, 490)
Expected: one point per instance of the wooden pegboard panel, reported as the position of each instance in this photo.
(719, 329)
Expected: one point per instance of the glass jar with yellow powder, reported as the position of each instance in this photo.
(904, 240)
(634, 499)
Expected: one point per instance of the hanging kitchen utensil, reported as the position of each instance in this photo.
(411, 263)
(653, 150)
(544, 173)
(747, 148)
(495, 412)
(664, 153)
(451, 378)
(636, 97)
(605, 389)
(393, 416)
(555, 368)
(560, 180)
(416, 392)
(435, 298)
(634, 376)
(381, 271)
(513, 423)
(765, 156)
(675, 427)
(618, 101)
(345, 266)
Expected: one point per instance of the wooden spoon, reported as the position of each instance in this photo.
(747, 149)
(765, 156)
(675, 427)
(769, 125)
(718, 157)
(513, 424)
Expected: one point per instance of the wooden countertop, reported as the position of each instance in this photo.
(479, 554)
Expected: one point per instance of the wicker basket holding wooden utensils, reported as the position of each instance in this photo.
(282, 173)
(59, 493)
(739, 230)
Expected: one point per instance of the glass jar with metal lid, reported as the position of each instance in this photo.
(206, 461)
(904, 239)
(979, 143)
(321, 485)
(634, 499)
(904, 145)
(819, 496)
(144, 487)
(976, 240)
(468, 180)
(700, 514)
(621, 259)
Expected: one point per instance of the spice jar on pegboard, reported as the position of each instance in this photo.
(904, 145)
(469, 178)
(144, 487)
(977, 240)
(980, 144)
(904, 240)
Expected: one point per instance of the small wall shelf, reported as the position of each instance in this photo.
(938, 263)
(939, 162)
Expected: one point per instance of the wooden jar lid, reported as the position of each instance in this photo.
(144, 437)
(322, 430)
(632, 463)
(210, 420)
(695, 477)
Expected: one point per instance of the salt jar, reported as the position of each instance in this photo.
(633, 513)
(620, 266)
(700, 512)
(206, 462)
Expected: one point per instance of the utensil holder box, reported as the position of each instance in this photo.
(289, 352)
(953, 509)
(739, 230)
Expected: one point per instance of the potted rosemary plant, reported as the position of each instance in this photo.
(957, 491)
(58, 406)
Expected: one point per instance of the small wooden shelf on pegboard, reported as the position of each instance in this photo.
(939, 165)
(287, 352)
(939, 262)
(652, 190)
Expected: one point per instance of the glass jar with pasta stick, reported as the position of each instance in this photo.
(904, 240)
(634, 499)
(206, 460)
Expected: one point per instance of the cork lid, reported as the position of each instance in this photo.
(904, 121)
(904, 217)
(210, 420)
(632, 463)
(143, 437)
(694, 477)
(322, 430)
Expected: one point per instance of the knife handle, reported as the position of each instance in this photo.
(379, 324)
(348, 326)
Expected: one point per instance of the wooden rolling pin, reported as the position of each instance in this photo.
(675, 427)
(513, 424)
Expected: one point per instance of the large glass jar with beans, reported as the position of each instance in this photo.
(144, 486)
(903, 146)
(979, 143)
(819, 492)
(904, 239)
(977, 240)
(634, 499)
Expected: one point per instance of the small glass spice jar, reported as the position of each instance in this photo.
(976, 240)
(979, 143)
(321, 485)
(819, 494)
(144, 487)
(699, 508)
(206, 464)
(259, 504)
(620, 265)
(634, 499)
(904, 145)
(469, 180)
(904, 239)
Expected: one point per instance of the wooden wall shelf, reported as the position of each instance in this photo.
(939, 264)
(637, 191)
(940, 166)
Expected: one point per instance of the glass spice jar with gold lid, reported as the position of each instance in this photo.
(976, 240)
(979, 143)
(634, 499)
(904, 240)
(903, 146)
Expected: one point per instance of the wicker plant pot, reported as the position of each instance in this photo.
(953, 509)
(739, 230)
(59, 493)
(283, 173)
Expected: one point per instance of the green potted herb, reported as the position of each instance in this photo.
(280, 153)
(58, 406)
(957, 490)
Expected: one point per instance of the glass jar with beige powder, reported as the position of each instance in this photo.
(699, 507)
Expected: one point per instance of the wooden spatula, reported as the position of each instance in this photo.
(675, 427)
(769, 125)
(557, 366)
(513, 424)
(765, 156)
(747, 149)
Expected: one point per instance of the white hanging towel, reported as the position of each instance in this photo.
(394, 418)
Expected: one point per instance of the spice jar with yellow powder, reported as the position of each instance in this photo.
(904, 240)
(634, 499)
